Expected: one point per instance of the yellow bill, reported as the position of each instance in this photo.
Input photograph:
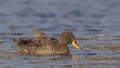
(75, 44)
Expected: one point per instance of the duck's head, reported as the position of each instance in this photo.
(67, 37)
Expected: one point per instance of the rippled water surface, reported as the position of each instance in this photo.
(95, 23)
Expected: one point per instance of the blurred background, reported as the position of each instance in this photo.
(95, 23)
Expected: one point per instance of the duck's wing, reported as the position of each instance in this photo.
(39, 33)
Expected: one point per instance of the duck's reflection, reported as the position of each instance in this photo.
(75, 60)
(70, 61)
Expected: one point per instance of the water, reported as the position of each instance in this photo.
(95, 23)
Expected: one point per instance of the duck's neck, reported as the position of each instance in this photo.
(61, 42)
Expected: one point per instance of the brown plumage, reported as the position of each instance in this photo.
(44, 45)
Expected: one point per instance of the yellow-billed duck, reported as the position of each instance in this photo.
(44, 45)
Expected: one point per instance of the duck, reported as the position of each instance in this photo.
(42, 44)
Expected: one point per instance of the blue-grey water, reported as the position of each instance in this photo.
(95, 24)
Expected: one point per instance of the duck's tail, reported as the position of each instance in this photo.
(22, 44)
(16, 41)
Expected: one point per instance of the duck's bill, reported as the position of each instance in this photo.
(75, 44)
